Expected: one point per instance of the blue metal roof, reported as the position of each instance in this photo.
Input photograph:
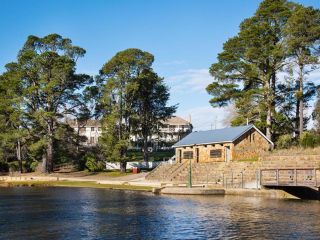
(214, 136)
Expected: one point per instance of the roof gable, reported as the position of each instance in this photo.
(216, 136)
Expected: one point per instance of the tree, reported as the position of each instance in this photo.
(246, 71)
(12, 135)
(150, 106)
(115, 87)
(316, 115)
(51, 88)
(303, 41)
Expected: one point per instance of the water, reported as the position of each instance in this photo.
(83, 213)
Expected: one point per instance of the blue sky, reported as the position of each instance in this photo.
(185, 37)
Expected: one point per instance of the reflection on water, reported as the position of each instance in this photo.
(80, 213)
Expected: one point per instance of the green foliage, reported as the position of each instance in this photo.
(4, 167)
(92, 164)
(150, 106)
(246, 73)
(285, 141)
(13, 166)
(34, 165)
(131, 99)
(309, 140)
(43, 87)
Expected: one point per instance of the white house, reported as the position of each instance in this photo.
(173, 130)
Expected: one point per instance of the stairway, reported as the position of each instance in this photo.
(235, 174)
(165, 172)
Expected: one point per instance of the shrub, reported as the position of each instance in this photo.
(34, 165)
(285, 141)
(4, 167)
(92, 164)
(13, 166)
(309, 139)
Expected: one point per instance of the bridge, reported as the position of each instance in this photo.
(302, 182)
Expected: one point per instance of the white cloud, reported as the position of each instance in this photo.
(190, 80)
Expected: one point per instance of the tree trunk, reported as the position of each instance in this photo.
(44, 163)
(269, 98)
(19, 155)
(301, 120)
(49, 157)
(145, 149)
(296, 127)
(123, 167)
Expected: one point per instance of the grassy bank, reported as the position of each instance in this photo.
(84, 184)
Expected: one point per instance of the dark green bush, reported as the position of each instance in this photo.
(92, 164)
(309, 140)
(4, 167)
(286, 141)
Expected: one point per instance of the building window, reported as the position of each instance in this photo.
(91, 139)
(92, 129)
(187, 154)
(253, 137)
(82, 130)
(217, 153)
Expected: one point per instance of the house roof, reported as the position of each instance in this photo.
(216, 136)
(176, 121)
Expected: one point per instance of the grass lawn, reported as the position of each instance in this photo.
(85, 184)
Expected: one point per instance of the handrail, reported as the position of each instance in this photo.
(176, 169)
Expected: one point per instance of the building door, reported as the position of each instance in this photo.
(197, 155)
(180, 155)
(227, 153)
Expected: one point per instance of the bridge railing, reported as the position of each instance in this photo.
(290, 177)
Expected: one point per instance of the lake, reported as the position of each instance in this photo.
(84, 213)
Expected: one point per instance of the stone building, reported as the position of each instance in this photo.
(171, 131)
(223, 145)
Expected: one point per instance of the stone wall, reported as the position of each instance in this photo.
(250, 146)
(204, 152)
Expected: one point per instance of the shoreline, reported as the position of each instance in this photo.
(138, 185)
(76, 184)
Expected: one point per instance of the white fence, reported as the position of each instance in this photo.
(144, 165)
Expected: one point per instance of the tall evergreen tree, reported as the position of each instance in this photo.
(12, 135)
(51, 88)
(246, 71)
(303, 42)
(150, 106)
(115, 104)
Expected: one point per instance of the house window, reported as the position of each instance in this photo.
(187, 154)
(217, 153)
(91, 139)
(82, 130)
(252, 137)
(92, 129)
